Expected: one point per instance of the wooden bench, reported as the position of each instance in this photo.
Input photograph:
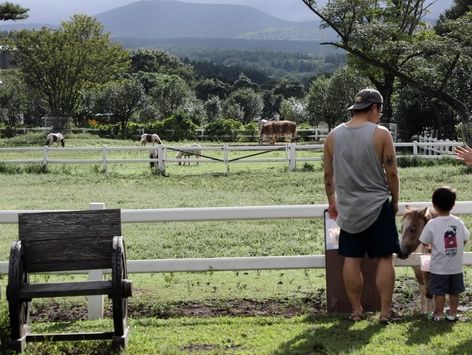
(65, 241)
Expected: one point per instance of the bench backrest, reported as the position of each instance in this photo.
(62, 241)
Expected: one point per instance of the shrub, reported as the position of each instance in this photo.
(410, 162)
(223, 129)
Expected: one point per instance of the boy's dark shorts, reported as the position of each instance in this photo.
(380, 239)
(446, 284)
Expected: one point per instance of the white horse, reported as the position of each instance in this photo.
(150, 138)
(188, 151)
(55, 138)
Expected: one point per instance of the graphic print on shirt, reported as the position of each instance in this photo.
(450, 241)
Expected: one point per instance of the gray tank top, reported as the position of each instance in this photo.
(359, 177)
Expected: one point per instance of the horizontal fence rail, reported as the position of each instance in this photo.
(167, 154)
(95, 304)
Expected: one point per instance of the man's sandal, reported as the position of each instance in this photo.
(393, 317)
(356, 317)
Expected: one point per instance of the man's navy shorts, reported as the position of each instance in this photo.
(446, 284)
(379, 240)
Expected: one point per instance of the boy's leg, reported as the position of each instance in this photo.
(439, 301)
(453, 304)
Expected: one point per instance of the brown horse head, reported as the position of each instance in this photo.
(413, 223)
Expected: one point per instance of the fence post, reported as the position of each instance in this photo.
(95, 303)
(45, 155)
(105, 159)
(225, 155)
(161, 159)
(292, 157)
(415, 148)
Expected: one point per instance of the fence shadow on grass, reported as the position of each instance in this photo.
(423, 330)
(336, 334)
(330, 335)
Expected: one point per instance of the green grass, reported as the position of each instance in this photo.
(158, 324)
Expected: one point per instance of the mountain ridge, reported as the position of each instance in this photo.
(164, 19)
(176, 19)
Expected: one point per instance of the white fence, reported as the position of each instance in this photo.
(436, 146)
(167, 153)
(223, 264)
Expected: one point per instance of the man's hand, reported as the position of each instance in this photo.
(332, 211)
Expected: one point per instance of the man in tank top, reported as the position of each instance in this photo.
(360, 174)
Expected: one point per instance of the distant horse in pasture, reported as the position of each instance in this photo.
(55, 138)
(150, 138)
(189, 151)
(413, 223)
(274, 130)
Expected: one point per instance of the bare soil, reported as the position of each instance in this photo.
(405, 301)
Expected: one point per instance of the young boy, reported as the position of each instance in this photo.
(447, 235)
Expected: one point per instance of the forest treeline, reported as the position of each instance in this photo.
(78, 71)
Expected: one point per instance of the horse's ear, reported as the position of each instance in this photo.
(423, 211)
(431, 213)
(408, 208)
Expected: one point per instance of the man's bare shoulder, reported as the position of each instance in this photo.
(382, 132)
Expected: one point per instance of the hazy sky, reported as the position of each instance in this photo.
(56, 11)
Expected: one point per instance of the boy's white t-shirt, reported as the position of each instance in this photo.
(447, 235)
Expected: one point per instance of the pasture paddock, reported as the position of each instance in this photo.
(111, 156)
(178, 293)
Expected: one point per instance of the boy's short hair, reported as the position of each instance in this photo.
(444, 198)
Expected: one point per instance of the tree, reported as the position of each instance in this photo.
(59, 64)
(207, 88)
(230, 109)
(213, 108)
(293, 109)
(13, 99)
(122, 99)
(156, 61)
(416, 113)
(272, 104)
(170, 93)
(250, 101)
(244, 82)
(12, 12)
(329, 97)
(418, 57)
(458, 9)
(289, 89)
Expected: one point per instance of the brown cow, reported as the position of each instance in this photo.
(277, 129)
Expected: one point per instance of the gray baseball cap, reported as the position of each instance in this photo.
(365, 98)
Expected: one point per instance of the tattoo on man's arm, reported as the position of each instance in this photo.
(329, 188)
(389, 160)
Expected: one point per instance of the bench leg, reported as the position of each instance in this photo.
(119, 343)
(18, 345)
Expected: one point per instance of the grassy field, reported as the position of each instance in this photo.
(254, 312)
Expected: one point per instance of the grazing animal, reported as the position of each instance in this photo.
(188, 151)
(153, 154)
(413, 223)
(55, 138)
(277, 129)
(150, 138)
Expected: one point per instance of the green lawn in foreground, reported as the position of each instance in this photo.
(165, 295)
(275, 335)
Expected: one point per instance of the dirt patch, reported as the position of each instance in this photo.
(405, 301)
